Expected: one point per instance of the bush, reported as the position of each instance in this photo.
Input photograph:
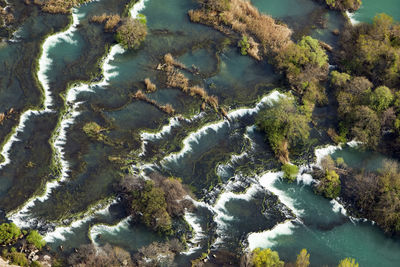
(348, 262)
(266, 258)
(285, 126)
(35, 239)
(131, 33)
(151, 206)
(303, 259)
(244, 45)
(329, 185)
(9, 233)
(36, 264)
(290, 171)
(381, 98)
(19, 259)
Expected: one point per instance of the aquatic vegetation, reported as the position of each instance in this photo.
(131, 33)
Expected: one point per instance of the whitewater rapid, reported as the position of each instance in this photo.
(21, 216)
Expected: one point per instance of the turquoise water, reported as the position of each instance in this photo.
(203, 151)
(370, 8)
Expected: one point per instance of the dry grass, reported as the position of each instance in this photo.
(139, 95)
(150, 87)
(168, 109)
(58, 6)
(111, 21)
(169, 60)
(99, 19)
(199, 91)
(241, 17)
(178, 80)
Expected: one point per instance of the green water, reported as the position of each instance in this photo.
(370, 8)
(202, 151)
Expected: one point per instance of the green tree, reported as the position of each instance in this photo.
(303, 259)
(244, 45)
(329, 185)
(9, 232)
(290, 171)
(35, 239)
(132, 33)
(266, 258)
(285, 126)
(348, 262)
(151, 206)
(381, 98)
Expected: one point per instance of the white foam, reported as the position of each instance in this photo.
(194, 137)
(166, 129)
(352, 17)
(139, 6)
(337, 207)
(266, 239)
(192, 220)
(60, 232)
(100, 229)
(270, 99)
(268, 181)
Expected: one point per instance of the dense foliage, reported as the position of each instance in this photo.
(266, 258)
(285, 126)
(305, 65)
(155, 202)
(131, 33)
(35, 239)
(373, 51)
(9, 233)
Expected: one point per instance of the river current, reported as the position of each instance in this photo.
(54, 178)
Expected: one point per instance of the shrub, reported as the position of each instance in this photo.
(131, 33)
(303, 259)
(290, 171)
(266, 258)
(329, 185)
(9, 233)
(35, 239)
(36, 264)
(19, 259)
(285, 126)
(381, 98)
(151, 207)
(244, 45)
(348, 262)
(151, 87)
